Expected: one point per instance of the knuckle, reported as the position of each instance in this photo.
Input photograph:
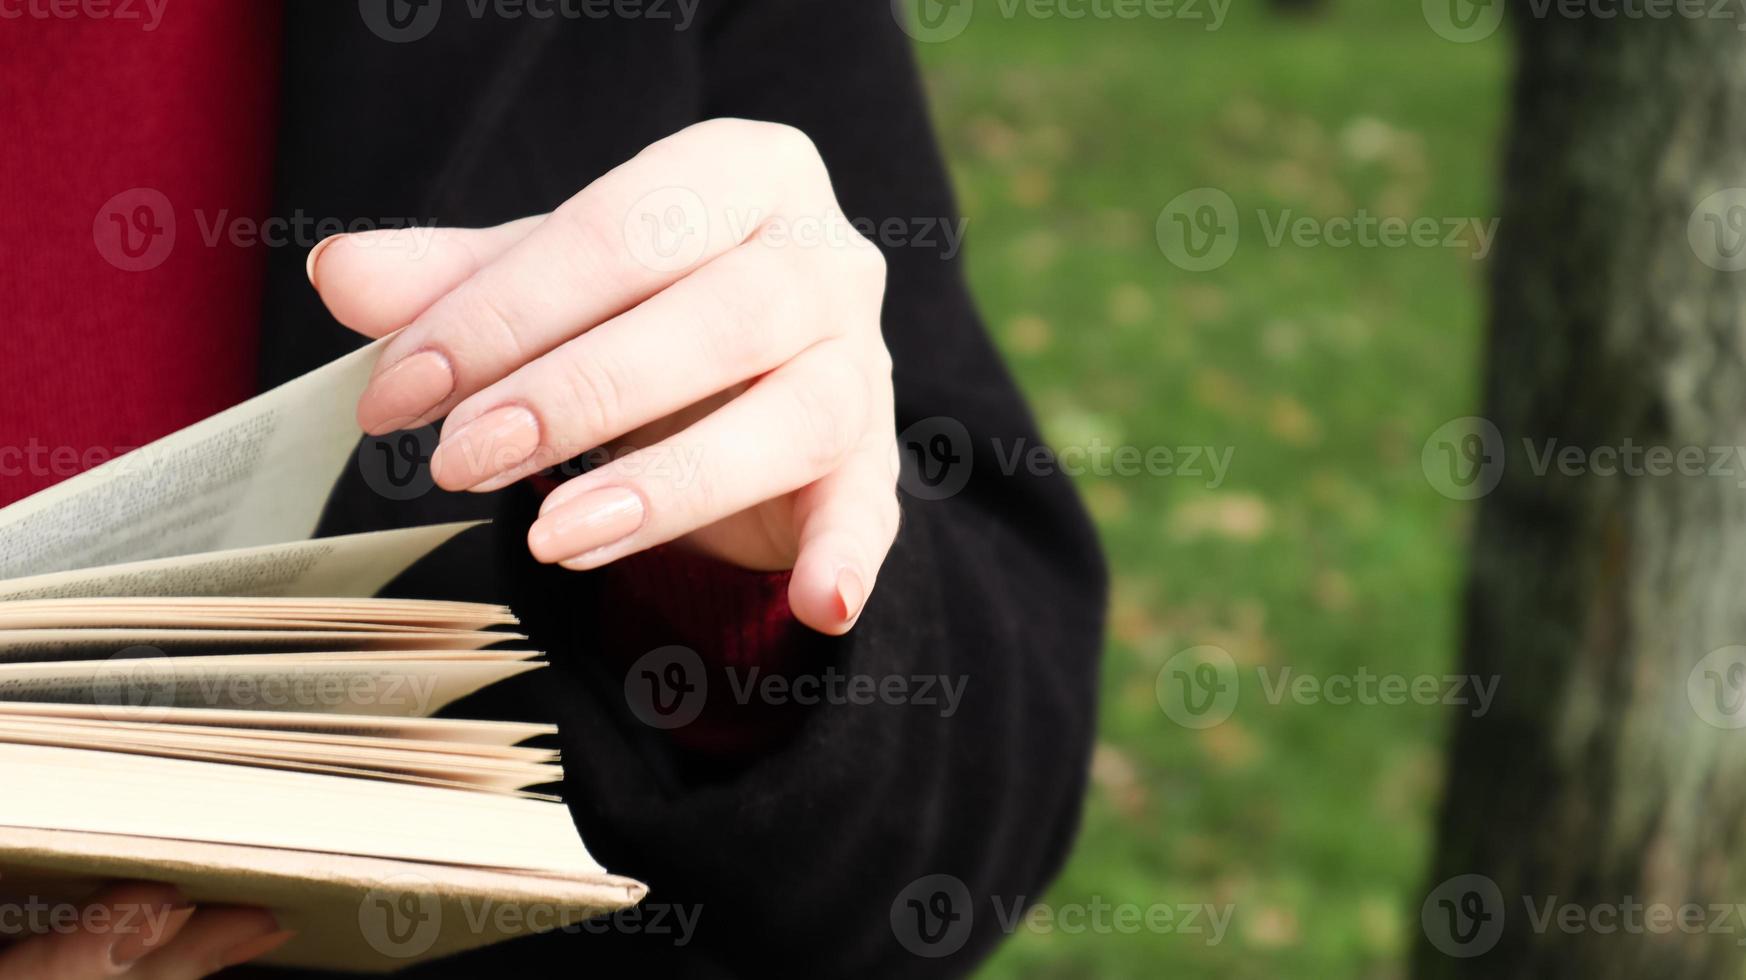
(590, 238)
(859, 271)
(828, 409)
(790, 143)
(793, 150)
(593, 399)
(489, 317)
(879, 361)
(869, 262)
(748, 310)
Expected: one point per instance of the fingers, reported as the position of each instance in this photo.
(212, 940)
(119, 928)
(735, 319)
(847, 522)
(648, 223)
(376, 282)
(788, 430)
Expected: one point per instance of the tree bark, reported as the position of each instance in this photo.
(1600, 779)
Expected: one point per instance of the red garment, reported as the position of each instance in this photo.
(135, 171)
(129, 150)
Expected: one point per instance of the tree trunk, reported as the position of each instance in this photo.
(1609, 777)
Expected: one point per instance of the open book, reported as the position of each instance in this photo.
(193, 691)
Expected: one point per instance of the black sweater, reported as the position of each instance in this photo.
(796, 862)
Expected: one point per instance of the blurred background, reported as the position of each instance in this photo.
(1320, 370)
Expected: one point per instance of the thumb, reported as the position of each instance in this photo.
(376, 282)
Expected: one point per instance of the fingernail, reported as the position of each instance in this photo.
(592, 521)
(254, 948)
(132, 947)
(499, 440)
(315, 255)
(851, 594)
(401, 397)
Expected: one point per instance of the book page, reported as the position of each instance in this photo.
(257, 473)
(289, 742)
(103, 792)
(19, 646)
(410, 615)
(490, 733)
(320, 896)
(349, 565)
(141, 690)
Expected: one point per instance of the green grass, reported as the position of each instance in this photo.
(1322, 369)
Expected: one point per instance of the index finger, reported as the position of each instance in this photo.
(643, 226)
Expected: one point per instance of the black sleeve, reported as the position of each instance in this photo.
(874, 839)
(837, 853)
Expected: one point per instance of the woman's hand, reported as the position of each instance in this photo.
(704, 311)
(143, 932)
